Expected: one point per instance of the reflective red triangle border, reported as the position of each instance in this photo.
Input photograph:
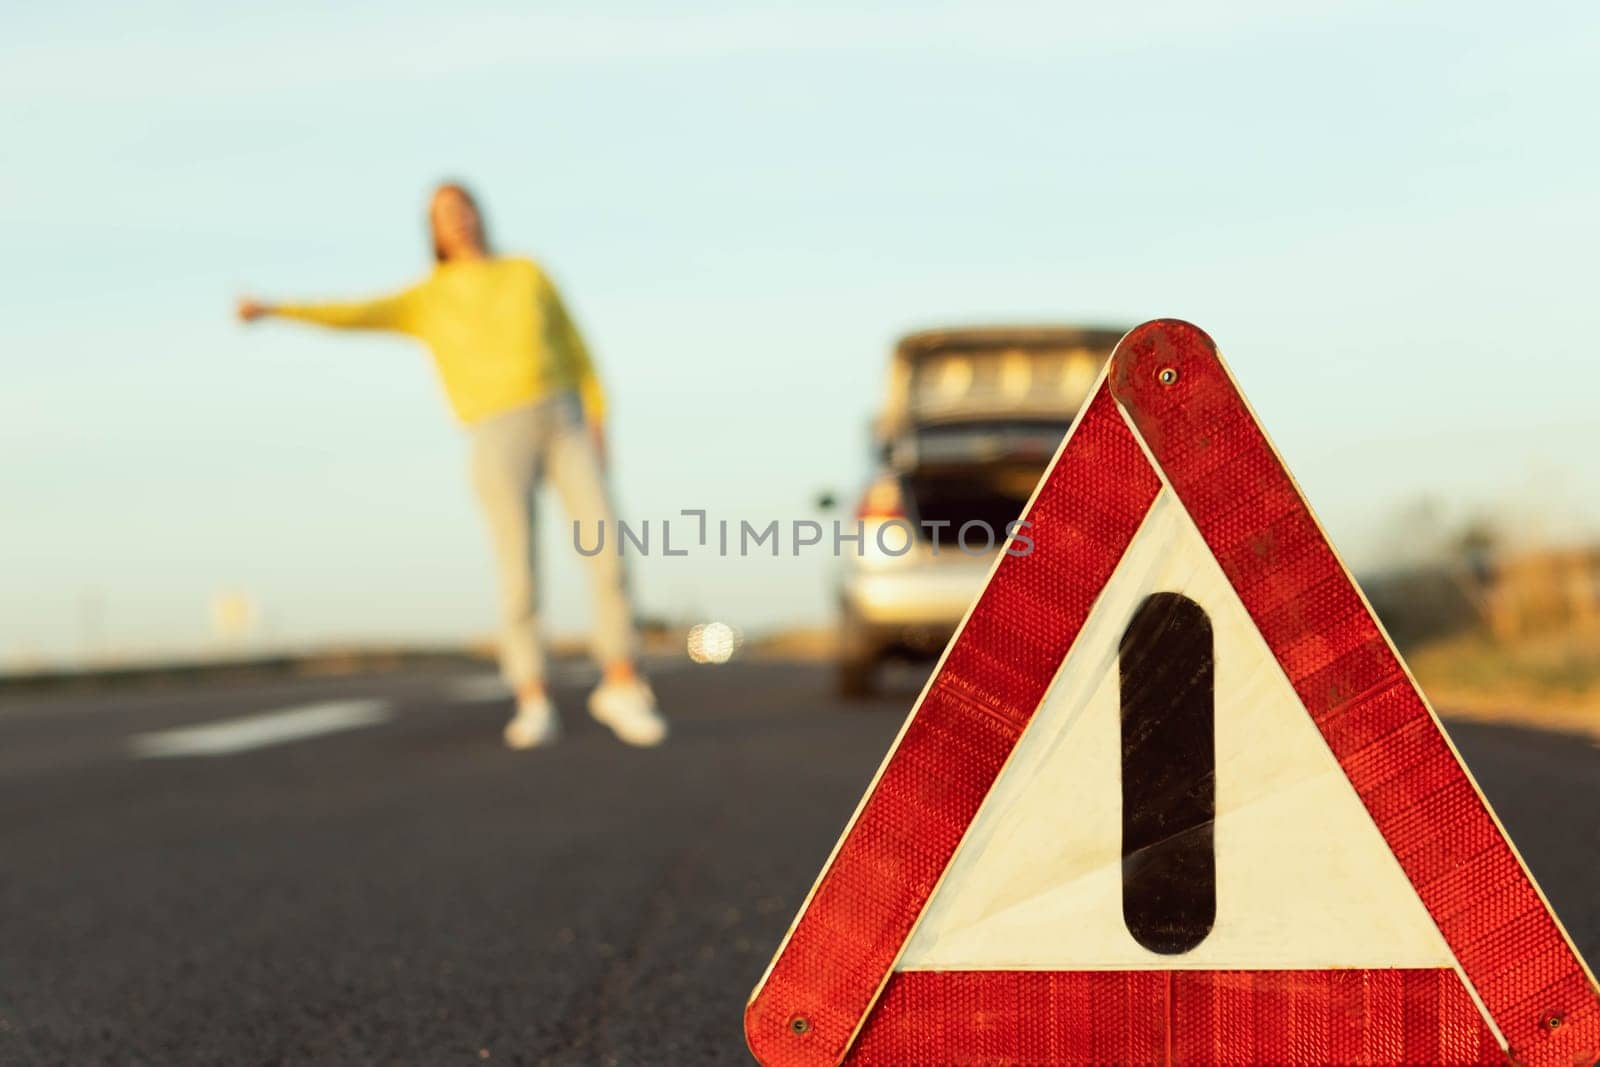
(1352, 1017)
(1166, 381)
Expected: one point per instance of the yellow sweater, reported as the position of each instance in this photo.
(499, 334)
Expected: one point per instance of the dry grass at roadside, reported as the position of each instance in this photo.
(1550, 681)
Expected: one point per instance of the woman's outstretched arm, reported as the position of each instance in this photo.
(396, 311)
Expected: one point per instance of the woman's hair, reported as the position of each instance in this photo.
(461, 190)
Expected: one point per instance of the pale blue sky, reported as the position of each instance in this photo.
(1386, 214)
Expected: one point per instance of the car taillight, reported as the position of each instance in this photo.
(882, 500)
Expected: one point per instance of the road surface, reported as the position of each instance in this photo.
(352, 870)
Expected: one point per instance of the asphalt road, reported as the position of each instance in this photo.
(405, 890)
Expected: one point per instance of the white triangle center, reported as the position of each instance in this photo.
(1303, 878)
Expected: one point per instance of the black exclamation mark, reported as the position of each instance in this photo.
(1169, 866)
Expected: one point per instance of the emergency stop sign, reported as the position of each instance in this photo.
(1171, 797)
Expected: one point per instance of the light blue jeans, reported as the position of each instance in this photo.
(512, 453)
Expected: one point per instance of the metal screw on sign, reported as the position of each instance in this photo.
(1167, 376)
(800, 1024)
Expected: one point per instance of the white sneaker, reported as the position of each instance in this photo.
(534, 725)
(629, 708)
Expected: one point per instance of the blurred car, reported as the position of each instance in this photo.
(970, 420)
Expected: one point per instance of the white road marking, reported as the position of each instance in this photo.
(242, 734)
(488, 687)
(477, 689)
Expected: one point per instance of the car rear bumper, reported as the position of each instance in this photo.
(934, 593)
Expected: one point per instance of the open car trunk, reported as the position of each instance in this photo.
(993, 494)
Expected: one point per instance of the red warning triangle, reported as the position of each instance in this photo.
(1171, 797)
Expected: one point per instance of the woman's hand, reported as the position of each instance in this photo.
(250, 309)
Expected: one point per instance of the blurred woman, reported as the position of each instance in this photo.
(518, 375)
